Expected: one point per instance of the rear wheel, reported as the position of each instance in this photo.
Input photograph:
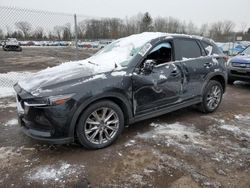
(212, 97)
(100, 125)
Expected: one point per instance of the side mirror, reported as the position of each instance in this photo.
(148, 66)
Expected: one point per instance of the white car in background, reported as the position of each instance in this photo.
(11, 44)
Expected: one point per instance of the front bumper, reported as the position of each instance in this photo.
(235, 73)
(48, 123)
(43, 136)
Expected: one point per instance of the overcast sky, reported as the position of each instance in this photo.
(198, 11)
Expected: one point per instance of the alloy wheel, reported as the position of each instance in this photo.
(101, 125)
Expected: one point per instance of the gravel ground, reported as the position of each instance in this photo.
(181, 149)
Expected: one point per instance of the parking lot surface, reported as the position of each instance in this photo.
(181, 149)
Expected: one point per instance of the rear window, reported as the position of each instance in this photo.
(186, 48)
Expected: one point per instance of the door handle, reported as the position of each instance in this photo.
(208, 65)
(174, 73)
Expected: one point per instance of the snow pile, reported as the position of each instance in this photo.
(7, 80)
(62, 172)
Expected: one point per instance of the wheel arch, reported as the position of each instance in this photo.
(220, 77)
(118, 99)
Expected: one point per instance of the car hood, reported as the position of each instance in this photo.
(241, 59)
(59, 76)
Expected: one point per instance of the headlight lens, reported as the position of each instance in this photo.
(59, 99)
(49, 101)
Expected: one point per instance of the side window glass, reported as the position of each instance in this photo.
(162, 53)
(208, 48)
(186, 48)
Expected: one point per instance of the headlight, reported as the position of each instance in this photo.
(49, 101)
(59, 99)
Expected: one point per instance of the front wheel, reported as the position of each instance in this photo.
(212, 97)
(100, 125)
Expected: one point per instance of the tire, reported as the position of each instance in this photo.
(230, 81)
(96, 127)
(212, 97)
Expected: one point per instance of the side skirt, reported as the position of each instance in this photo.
(165, 110)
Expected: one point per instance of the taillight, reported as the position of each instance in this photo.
(226, 58)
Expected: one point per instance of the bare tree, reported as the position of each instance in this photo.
(67, 32)
(191, 28)
(204, 30)
(160, 24)
(1, 34)
(38, 33)
(58, 30)
(243, 27)
(228, 27)
(24, 27)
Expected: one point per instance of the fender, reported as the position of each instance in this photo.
(86, 103)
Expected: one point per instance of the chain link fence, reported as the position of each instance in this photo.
(26, 24)
(46, 39)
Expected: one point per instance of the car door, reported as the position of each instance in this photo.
(195, 63)
(160, 88)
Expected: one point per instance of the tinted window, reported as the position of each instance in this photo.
(185, 48)
(162, 53)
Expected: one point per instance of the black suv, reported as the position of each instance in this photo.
(132, 79)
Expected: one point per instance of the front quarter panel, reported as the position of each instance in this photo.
(116, 84)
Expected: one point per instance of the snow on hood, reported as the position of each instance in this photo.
(108, 59)
(241, 59)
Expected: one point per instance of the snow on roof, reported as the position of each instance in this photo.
(122, 49)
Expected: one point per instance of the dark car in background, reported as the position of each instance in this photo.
(239, 67)
(132, 79)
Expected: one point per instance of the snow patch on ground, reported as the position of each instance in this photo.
(7, 105)
(174, 134)
(61, 172)
(6, 92)
(11, 122)
(6, 152)
(130, 143)
(194, 142)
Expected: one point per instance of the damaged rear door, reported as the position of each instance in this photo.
(160, 88)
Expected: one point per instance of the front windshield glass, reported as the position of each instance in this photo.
(121, 51)
(246, 51)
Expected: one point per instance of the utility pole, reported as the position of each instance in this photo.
(76, 40)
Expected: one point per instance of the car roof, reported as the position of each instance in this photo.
(185, 36)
